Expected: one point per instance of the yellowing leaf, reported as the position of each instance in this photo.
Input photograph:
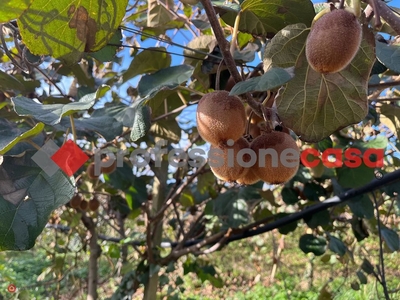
(65, 29)
(12, 9)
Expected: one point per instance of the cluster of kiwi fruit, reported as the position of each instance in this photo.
(90, 170)
(334, 40)
(78, 201)
(221, 121)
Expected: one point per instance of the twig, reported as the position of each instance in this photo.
(225, 50)
(381, 259)
(381, 8)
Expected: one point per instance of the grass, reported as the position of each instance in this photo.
(244, 268)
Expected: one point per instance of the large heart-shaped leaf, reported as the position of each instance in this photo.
(67, 28)
(315, 105)
(27, 198)
(264, 17)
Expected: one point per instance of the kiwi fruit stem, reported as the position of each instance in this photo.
(320, 14)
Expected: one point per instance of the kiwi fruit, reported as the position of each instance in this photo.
(333, 41)
(231, 169)
(84, 205)
(270, 168)
(220, 117)
(109, 169)
(249, 178)
(91, 171)
(75, 202)
(94, 204)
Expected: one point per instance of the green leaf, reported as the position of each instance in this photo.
(149, 60)
(27, 198)
(354, 177)
(67, 28)
(186, 198)
(337, 246)
(367, 267)
(390, 116)
(113, 251)
(289, 196)
(314, 244)
(107, 126)
(273, 78)
(321, 218)
(231, 209)
(391, 238)
(379, 142)
(8, 82)
(315, 105)
(135, 187)
(10, 134)
(51, 114)
(167, 78)
(167, 129)
(263, 17)
(141, 123)
(389, 55)
(324, 144)
(288, 228)
(108, 52)
(362, 206)
(361, 277)
(10, 10)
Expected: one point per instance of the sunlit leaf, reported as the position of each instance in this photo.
(10, 10)
(263, 17)
(67, 28)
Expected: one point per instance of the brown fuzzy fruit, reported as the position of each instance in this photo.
(84, 205)
(333, 41)
(220, 117)
(249, 178)
(94, 204)
(224, 162)
(109, 169)
(91, 171)
(75, 202)
(278, 157)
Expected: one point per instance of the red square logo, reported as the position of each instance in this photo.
(69, 158)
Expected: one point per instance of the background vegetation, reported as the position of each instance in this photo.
(127, 75)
